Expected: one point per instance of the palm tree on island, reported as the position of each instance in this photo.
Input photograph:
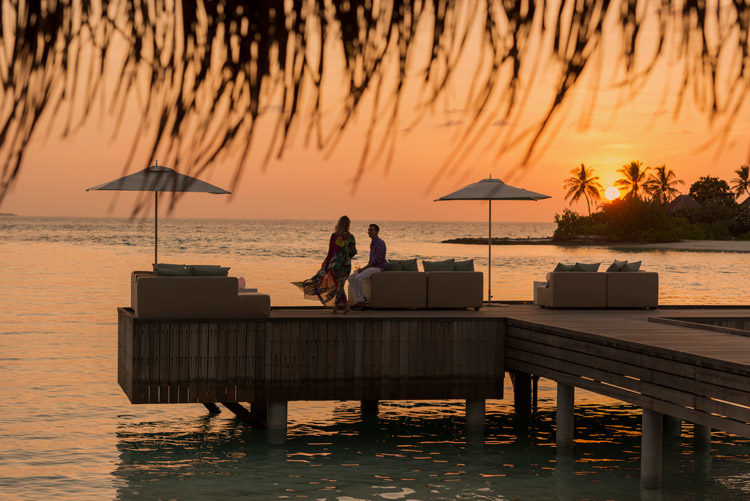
(583, 184)
(661, 184)
(634, 178)
(741, 184)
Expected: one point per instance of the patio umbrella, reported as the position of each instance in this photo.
(159, 178)
(491, 189)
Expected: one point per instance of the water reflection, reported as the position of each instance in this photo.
(410, 451)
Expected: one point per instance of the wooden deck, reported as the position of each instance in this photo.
(695, 374)
(699, 375)
(311, 356)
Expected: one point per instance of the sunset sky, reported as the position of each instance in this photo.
(307, 184)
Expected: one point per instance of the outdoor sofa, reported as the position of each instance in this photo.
(194, 297)
(414, 289)
(583, 289)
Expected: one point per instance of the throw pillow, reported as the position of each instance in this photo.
(409, 265)
(446, 265)
(617, 265)
(564, 267)
(171, 270)
(467, 265)
(634, 266)
(209, 270)
(586, 267)
(393, 265)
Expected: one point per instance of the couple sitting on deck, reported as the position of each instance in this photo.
(328, 283)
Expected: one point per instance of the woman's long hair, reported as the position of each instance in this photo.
(343, 225)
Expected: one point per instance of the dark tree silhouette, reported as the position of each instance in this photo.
(205, 71)
(661, 184)
(634, 178)
(741, 183)
(711, 188)
(583, 183)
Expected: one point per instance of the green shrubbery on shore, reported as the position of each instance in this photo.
(636, 220)
(645, 214)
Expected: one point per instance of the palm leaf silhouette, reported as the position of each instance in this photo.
(207, 70)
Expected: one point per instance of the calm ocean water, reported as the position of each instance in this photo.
(68, 431)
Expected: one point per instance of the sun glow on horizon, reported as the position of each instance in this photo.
(611, 193)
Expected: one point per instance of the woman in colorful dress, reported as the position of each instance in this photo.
(328, 284)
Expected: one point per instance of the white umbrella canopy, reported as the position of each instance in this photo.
(491, 189)
(158, 178)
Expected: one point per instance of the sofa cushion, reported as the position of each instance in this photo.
(454, 289)
(633, 290)
(564, 267)
(209, 270)
(446, 265)
(467, 265)
(393, 265)
(634, 266)
(616, 265)
(586, 266)
(185, 297)
(253, 305)
(397, 289)
(575, 290)
(409, 265)
(171, 270)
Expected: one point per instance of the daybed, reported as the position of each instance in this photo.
(419, 289)
(576, 289)
(194, 297)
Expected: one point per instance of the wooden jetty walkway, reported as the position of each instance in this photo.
(655, 359)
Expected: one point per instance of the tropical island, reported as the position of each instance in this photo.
(645, 206)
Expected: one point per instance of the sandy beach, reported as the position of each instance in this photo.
(695, 245)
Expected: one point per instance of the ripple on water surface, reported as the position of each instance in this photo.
(69, 432)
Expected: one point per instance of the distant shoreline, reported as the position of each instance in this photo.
(686, 245)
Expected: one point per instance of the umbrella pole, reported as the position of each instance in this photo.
(156, 226)
(489, 260)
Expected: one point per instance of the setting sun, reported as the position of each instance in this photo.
(611, 193)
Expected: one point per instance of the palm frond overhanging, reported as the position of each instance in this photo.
(583, 184)
(661, 184)
(203, 72)
(633, 178)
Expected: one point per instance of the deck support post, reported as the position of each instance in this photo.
(277, 412)
(701, 437)
(475, 410)
(521, 399)
(565, 427)
(369, 408)
(672, 426)
(212, 407)
(241, 412)
(651, 449)
(259, 409)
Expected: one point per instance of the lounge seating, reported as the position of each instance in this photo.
(638, 289)
(574, 289)
(194, 297)
(566, 289)
(419, 290)
(397, 289)
(454, 289)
